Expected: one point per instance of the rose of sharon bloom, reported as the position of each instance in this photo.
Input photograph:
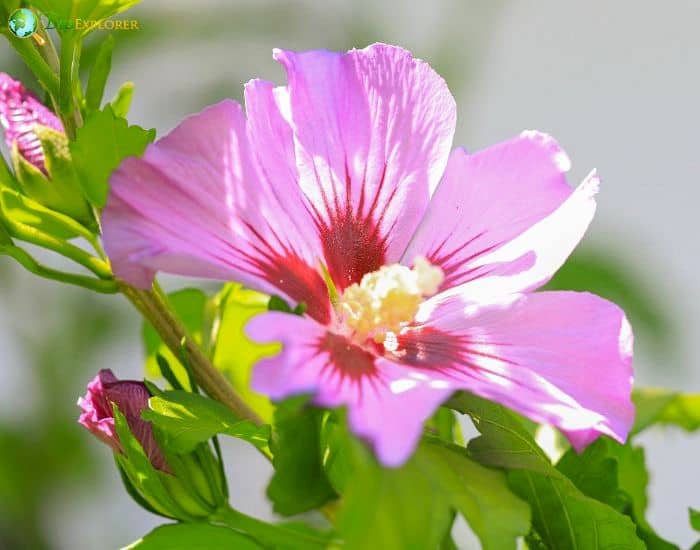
(20, 111)
(433, 254)
(131, 398)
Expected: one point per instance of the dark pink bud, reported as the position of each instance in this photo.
(131, 398)
(20, 112)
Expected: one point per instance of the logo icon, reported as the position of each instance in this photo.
(23, 24)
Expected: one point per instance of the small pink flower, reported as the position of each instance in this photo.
(434, 255)
(131, 398)
(20, 112)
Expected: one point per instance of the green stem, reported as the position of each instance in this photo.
(31, 265)
(32, 235)
(174, 335)
(31, 57)
(70, 48)
(276, 536)
(48, 50)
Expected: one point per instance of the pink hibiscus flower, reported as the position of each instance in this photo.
(433, 254)
(20, 112)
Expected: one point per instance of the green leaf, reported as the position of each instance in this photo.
(665, 407)
(187, 419)
(392, 509)
(194, 536)
(616, 475)
(188, 304)
(563, 517)
(99, 74)
(482, 496)
(101, 144)
(86, 10)
(694, 516)
(121, 102)
(234, 353)
(299, 483)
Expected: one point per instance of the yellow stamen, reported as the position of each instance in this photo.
(387, 299)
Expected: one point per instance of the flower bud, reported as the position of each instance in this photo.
(131, 397)
(20, 112)
(186, 487)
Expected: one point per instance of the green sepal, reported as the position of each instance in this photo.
(7, 180)
(99, 74)
(185, 487)
(5, 237)
(143, 476)
(22, 209)
(121, 102)
(60, 190)
(133, 492)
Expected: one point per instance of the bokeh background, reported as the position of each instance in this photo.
(616, 82)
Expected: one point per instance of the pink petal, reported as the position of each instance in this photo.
(387, 402)
(195, 204)
(20, 112)
(372, 133)
(563, 358)
(504, 220)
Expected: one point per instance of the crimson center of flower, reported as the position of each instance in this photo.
(387, 300)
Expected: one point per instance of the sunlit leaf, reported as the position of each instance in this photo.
(100, 146)
(563, 517)
(234, 353)
(187, 419)
(392, 508)
(99, 75)
(665, 407)
(194, 536)
(121, 102)
(481, 495)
